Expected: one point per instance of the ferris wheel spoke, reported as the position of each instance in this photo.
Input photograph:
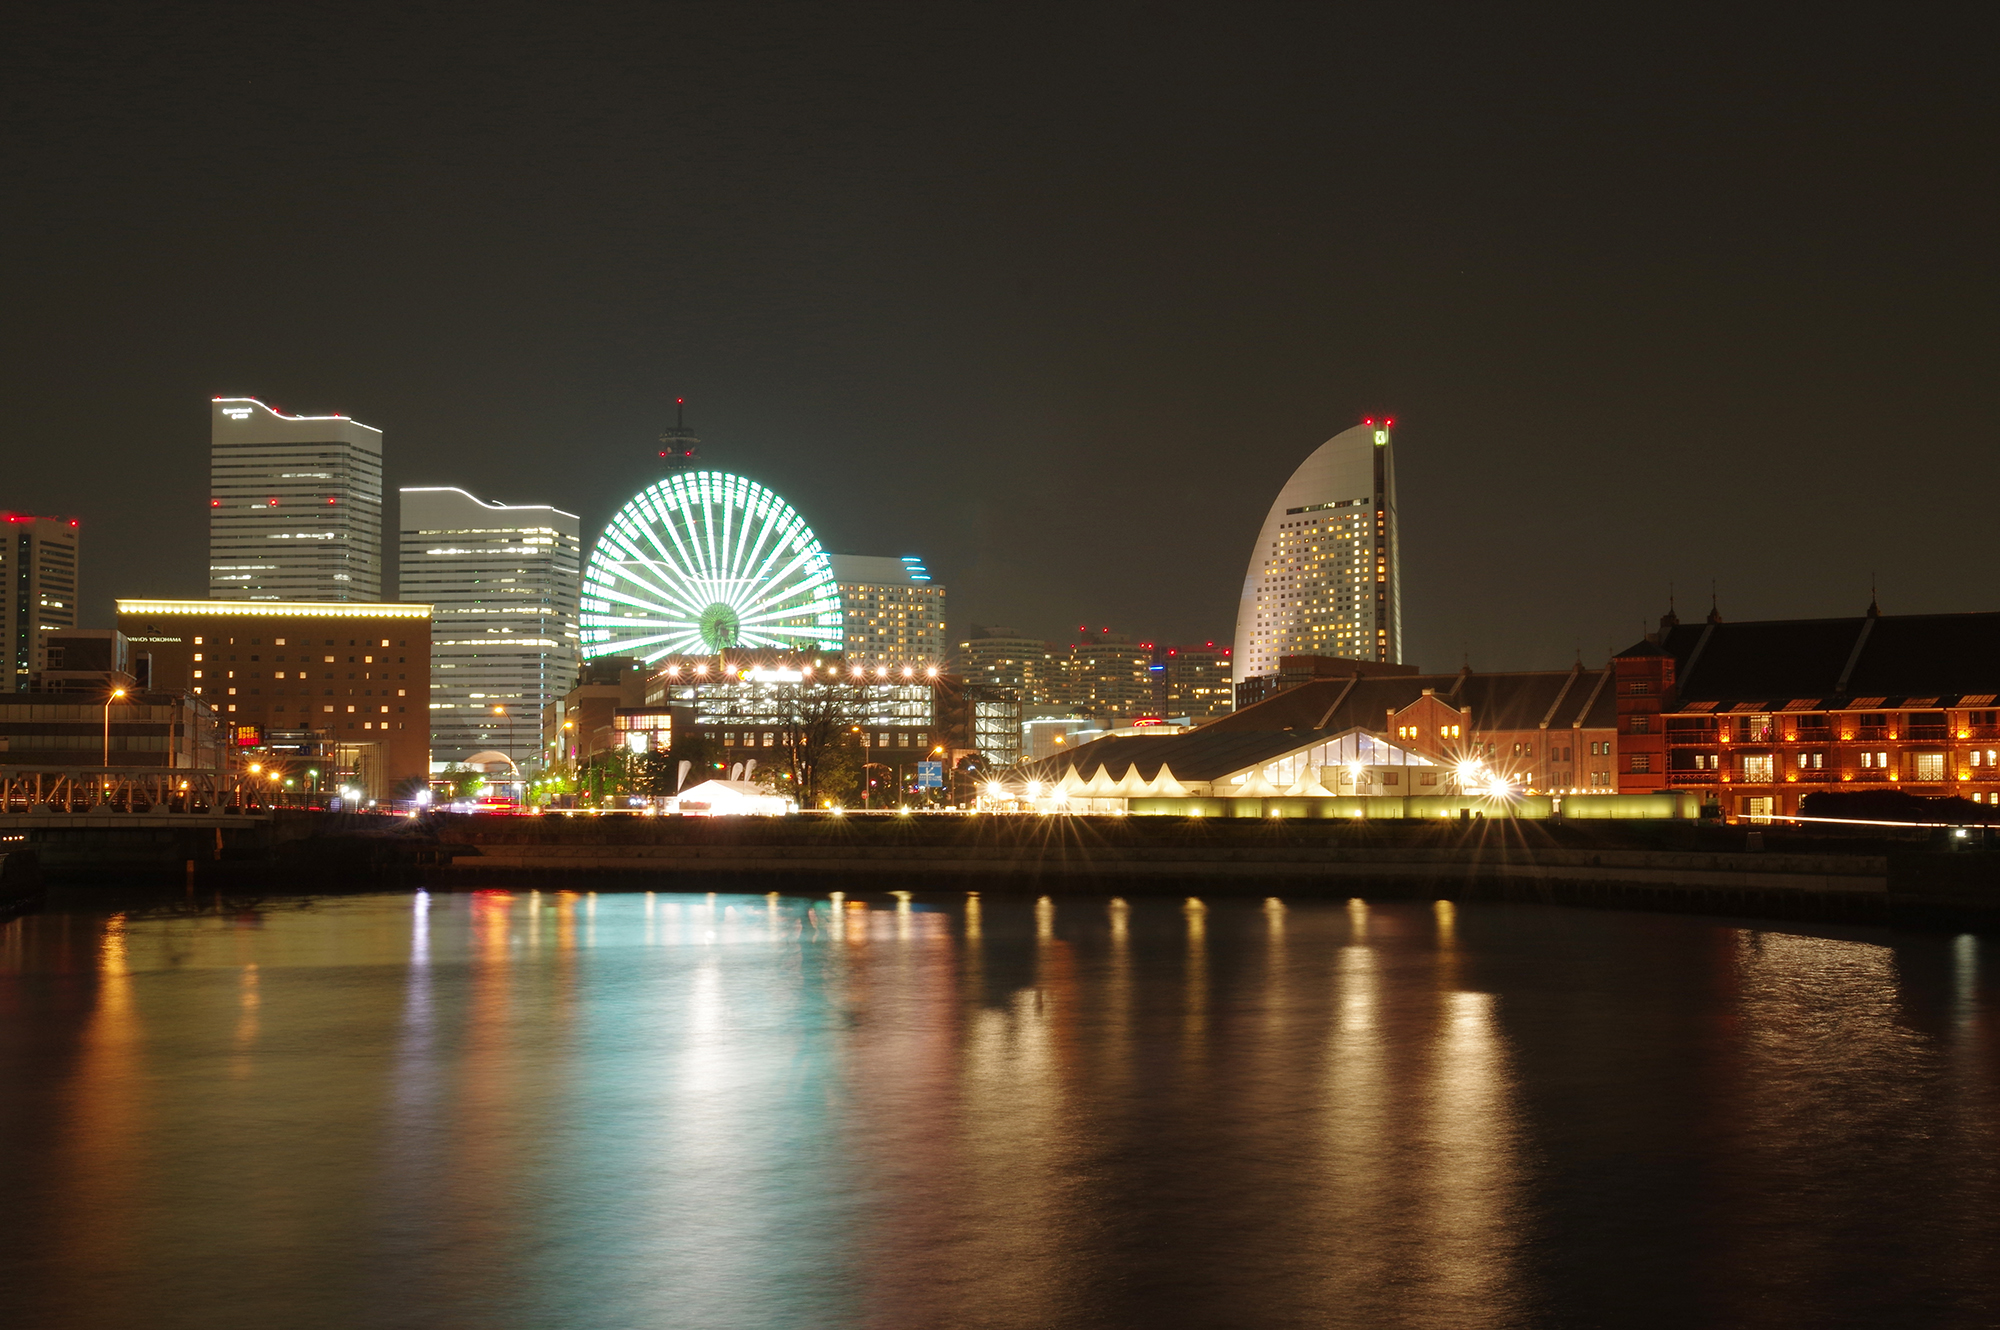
(783, 576)
(666, 567)
(712, 556)
(672, 523)
(662, 589)
(749, 553)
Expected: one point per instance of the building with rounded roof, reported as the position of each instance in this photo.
(1323, 576)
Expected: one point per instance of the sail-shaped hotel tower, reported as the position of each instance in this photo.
(1323, 578)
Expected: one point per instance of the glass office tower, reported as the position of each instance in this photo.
(294, 505)
(504, 581)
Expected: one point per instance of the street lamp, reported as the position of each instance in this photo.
(116, 694)
(866, 767)
(512, 765)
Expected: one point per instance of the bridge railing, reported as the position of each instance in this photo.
(26, 789)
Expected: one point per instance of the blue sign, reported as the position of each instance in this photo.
(930, 775)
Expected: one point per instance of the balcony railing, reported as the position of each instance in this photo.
(1929, 733)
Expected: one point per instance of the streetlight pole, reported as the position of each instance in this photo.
(116, 694)
(513, 766)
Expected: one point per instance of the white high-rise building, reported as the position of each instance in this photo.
(294, 505)
(891, 612)
(504, 580)
(1323, 578)
(37, 592)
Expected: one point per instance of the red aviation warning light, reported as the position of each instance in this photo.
(678, 441)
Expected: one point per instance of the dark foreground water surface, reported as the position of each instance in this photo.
(636, 1110)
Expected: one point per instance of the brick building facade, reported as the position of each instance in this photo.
(1756, 716)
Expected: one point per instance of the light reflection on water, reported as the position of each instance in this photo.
(564, 1108)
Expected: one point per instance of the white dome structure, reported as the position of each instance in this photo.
(1323, 578)
(704, 561)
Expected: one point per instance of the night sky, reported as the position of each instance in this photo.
(1056, 297)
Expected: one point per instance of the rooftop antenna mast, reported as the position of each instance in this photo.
(678, 442)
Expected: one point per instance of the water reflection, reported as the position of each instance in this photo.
(102, 1147)
(888, 1109)
(1472, 1179)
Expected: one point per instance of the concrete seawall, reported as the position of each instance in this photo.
(1132, 867)
(1116, 857)
(1902, 877)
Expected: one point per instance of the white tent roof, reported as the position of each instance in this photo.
(730, 796)
(1255, 787)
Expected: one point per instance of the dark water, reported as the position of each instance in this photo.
(633, 1110)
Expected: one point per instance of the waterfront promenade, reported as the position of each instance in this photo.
(1864, 875)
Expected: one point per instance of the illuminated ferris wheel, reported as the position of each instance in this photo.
(704, 561)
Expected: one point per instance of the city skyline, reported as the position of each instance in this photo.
(1590, 313)
(306, 427)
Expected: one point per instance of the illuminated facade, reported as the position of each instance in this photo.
(503, 581)
(294, 507)
(1323, 577)
(1756, 716)
(584, 721)
(1107, 675)
(891, 611)
(1004, 658)
(1407, 735)
(37, 591)
(354, 679)
(748, 706)
(1197, 680)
